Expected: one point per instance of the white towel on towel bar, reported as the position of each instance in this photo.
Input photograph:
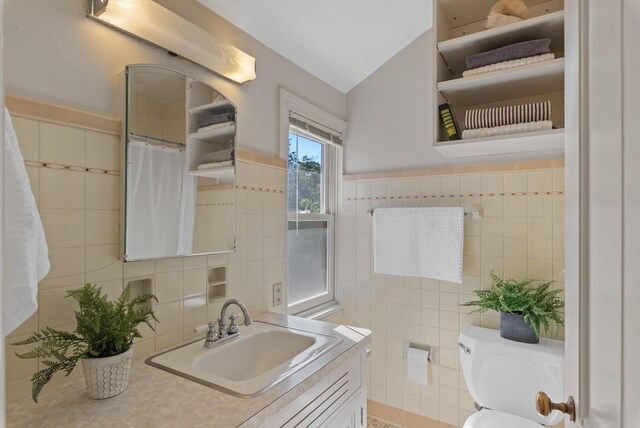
(25, 254)
(424, 242)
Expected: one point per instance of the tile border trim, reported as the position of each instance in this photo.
(401, 417)
(465, 169)
(470, 195)
(43, 111)
(47, 112)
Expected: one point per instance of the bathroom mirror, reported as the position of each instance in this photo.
(179, 154)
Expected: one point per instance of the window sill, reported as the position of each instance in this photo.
(322, 312)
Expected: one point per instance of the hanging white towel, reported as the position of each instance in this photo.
(424, 242)
(25, 253)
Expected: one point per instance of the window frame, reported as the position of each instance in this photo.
(333, 164)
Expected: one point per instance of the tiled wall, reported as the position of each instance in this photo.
(79, 207)
(521, 235)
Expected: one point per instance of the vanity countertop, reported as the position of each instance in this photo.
(156, 398)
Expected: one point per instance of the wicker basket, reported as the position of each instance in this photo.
(107, 377)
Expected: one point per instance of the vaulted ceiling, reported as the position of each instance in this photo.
(340, 41)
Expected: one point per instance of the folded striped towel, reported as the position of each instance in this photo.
(504, 65)
(218, 156)
(215, 119)
(509, 115)
(517, 128)
(507, 53)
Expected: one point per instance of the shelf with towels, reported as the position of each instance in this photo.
(224, 129)
(527, 80)
(227, 173)
(455, 51)
(210, 108)
(516, 80)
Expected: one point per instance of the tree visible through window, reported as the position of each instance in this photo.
(305, 175)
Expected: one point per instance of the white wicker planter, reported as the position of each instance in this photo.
(107, 377)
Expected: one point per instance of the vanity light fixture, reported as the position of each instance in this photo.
(149, 21)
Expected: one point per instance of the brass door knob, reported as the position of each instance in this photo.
(544, 405)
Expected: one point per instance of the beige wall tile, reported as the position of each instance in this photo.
(102, 192)
(63, 228)
(450, 185)
(195, 311)
(102, 151)
(169, 286)
(540, 181)
(139, 269)
(55, 309)
(169, 265)
(61, 144)
(101, 227)
(471, 184)
(194, 262)
(515, 182)
(66, 262)
(169, 317)
(102, 263)
(61, 189)
(493, 183)
(27, 133)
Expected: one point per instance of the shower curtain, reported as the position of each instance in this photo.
(160, 213)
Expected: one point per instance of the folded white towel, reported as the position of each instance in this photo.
(508, 64)
(518, 128)
(25, 253)
(423, 242)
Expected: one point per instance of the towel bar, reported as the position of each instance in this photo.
(475, 212)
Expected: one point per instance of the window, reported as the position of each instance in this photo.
(314, 167)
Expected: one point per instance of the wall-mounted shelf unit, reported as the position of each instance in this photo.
(455, 51)
(219, 173)
(212, 107)
(519, 82)
(202, 102)
(459, 30)
(540, 143)
(211, 134)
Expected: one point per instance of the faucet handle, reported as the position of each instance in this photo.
(233, 327)
(222, 328)
(212, 335)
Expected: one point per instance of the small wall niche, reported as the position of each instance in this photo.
(140, 286)
(217, 284)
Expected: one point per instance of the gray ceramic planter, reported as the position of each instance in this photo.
(514, 327)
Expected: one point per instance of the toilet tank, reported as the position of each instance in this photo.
(506, 376)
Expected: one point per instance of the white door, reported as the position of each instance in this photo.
(603, 206)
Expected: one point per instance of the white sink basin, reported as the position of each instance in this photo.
(259, 358)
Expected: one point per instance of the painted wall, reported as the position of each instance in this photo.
(56, 54)
(390, 114)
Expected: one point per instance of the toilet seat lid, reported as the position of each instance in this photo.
(493, 419)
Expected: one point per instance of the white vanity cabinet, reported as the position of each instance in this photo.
(337, 401)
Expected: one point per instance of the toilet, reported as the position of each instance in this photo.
(504, 377)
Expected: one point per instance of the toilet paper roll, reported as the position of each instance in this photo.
(417, 364)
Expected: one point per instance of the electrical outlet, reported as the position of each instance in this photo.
(277, 294)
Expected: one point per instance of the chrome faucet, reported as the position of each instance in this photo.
(225, 333)
(233, 328)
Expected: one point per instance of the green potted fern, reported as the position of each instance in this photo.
(102, 340)
(523, 306)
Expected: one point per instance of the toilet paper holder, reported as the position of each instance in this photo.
(408, 344)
